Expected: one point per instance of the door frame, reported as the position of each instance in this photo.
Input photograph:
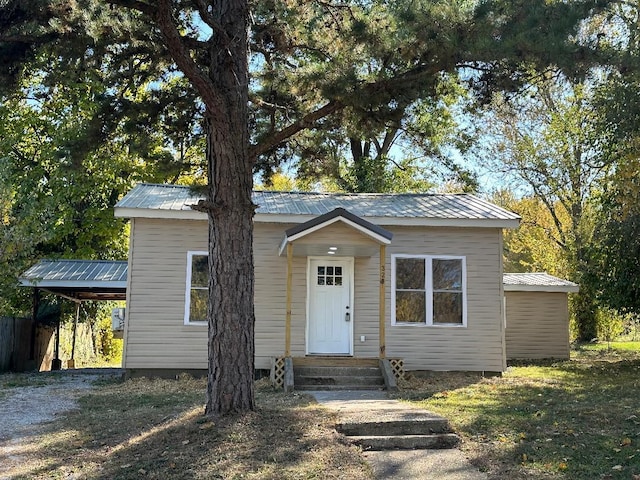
(351, 262)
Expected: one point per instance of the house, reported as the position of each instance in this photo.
(537, 315)
(413, 277)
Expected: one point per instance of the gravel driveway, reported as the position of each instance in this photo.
(40, 398)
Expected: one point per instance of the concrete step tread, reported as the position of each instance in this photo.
(406, 442)
(413, 425)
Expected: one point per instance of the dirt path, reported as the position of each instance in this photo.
(38, 399)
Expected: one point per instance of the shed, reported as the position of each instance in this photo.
(536, 315)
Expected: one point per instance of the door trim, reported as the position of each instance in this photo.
(351, 262)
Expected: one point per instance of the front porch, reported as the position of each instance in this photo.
(334, 246)
(318, 372)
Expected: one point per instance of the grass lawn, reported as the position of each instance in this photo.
(155, 429)
(578, 419)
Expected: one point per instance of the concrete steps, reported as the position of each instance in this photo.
(337, 377)
(395, 430)
(407, 442)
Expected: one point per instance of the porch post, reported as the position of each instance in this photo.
(287, 331)
(383, 259)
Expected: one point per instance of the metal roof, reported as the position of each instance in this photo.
(174, 201)
(537, 282)
(79, 279)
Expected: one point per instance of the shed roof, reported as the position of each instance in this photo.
(174, 201)
(537, 282)
(79, 279)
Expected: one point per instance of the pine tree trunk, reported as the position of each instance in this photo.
(231, 285)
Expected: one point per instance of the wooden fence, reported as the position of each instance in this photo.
(25, 346)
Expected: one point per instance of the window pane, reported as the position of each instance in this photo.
(320, 270)
(447, 274)
(320, 280)
(338, 280)
(338, 270)
(329, 280)
(198, 306)
(199, 271)
(410, 307)
(329, 270)
(410, 273)
(447, 307)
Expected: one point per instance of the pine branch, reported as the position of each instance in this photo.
(139, 5)
(210, 20)
(177, 45)
(305, 122)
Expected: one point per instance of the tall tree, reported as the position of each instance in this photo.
(549, 141)
(322, 51)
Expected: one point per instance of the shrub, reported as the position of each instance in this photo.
(609, 323)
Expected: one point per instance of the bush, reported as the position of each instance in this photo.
(609, 324)
(109, 348)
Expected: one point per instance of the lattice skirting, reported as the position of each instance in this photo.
(397, 366)
(277, 372)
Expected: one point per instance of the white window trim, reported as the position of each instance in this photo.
(187, 296)
(429, 291)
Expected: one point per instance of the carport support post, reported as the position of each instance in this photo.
(56, 363)
(287, 331)
(382, 307)
(73, 339)
(36, 306)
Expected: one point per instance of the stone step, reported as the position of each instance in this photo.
(337, 371)
(415, 426)
(406, 442)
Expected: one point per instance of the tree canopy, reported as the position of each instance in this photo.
(359, 69)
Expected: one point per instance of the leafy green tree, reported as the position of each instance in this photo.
(58, 186)
(313, 61)
(549, 141)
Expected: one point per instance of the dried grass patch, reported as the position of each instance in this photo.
(156, 429)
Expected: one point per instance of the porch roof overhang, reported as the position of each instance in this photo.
(79, 280)
(374, 233)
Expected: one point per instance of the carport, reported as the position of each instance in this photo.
(78, 281)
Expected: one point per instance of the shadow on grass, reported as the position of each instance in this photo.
(570, 420)
(156, 429)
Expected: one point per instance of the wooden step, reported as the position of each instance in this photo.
(332, 361)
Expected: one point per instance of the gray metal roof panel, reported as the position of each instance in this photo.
(537, 281)
(442, 206)
(50, 272)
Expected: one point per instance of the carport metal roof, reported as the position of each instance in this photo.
(79, 280)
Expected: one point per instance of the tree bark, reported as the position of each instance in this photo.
(231, 276)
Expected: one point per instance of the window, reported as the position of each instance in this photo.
(197, 294)
(428, 290)
(329, 276)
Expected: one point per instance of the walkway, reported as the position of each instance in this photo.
(353, 406)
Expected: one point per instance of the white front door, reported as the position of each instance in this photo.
(330, 317)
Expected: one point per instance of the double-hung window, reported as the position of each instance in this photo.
(428, 290)
(197, 293)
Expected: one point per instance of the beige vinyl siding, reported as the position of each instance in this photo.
(537, 325)
(366, 303)
(480, 345)
(156, 336)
